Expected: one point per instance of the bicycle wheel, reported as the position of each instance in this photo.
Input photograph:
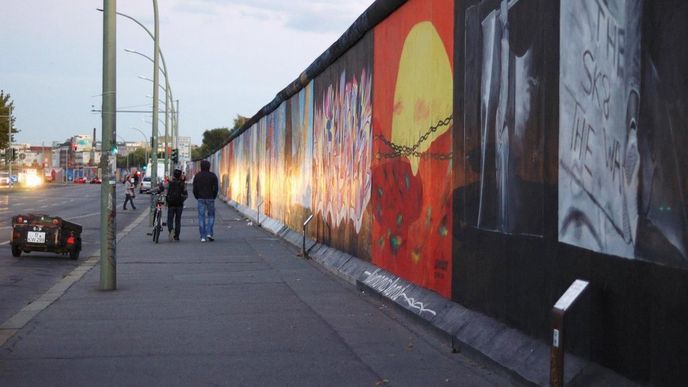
(156, 226)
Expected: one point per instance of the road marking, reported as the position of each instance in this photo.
(26, 314)
(4, 243)
(84, 216)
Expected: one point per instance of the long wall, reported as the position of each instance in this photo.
(494, 151)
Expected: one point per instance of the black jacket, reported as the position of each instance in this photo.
(176, 193)
(205, 185)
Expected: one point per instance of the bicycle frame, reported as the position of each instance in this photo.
(157, 216)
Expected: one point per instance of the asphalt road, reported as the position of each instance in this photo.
(24, 279)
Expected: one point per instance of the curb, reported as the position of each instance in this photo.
(524, 358)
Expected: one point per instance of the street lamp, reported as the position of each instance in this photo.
(125, 145)
(168, 101)
(156, 66)
(170, 97)
(167, 132)
(145, 140)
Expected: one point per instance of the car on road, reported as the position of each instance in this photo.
(45, 233)
(80, 180)
(145, 185)
(96, 180)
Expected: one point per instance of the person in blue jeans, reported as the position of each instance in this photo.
(205, 188)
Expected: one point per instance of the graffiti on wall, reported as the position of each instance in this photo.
(276, 198)
(504, 73)
(342, 151)
(299, 153)
(413, 125)
(598, 131)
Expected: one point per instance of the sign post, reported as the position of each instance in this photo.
(565, 302)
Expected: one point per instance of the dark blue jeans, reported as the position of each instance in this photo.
(205, 227)
(174, 220)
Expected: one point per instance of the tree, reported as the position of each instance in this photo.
(6, 107)
(212, 140)
(137, 158)
(215, 138)
(239, 121)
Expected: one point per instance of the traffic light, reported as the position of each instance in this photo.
(175, 155)
(13, 154)
(114, 149)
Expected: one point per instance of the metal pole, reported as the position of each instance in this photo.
(9, 142)
(565, 302)
(154, 142)
(108, 203)
(304, 252)
(167, 132)
(176, 126)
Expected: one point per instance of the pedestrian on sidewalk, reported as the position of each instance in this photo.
(129, 192)
(205, 188)
(176, 195)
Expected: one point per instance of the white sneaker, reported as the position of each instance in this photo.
(170, 236)
(210, 238)
(202, 239)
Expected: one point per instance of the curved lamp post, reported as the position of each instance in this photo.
(156, 67)
(145, 140)
(167, 122)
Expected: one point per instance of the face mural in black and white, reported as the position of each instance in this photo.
(620, 172)
(503, 111)
(598, 115)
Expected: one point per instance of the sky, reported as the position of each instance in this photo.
(224, 57)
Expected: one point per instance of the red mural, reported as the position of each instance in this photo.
(412, 131)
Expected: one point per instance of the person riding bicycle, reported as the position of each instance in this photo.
(176, 195)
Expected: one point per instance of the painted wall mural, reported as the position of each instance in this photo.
(621, 171)
(299, 153)
(342, 150)
(413, 125)
(504, 74)
(662, 233)
(446, 187)
(276, 198)
(598, 115)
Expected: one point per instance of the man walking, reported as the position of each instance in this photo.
(176, 195)
(205, 189)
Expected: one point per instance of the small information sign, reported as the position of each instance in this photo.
(569, 297)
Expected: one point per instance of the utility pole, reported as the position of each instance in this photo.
(9, 148)
(108, 204)
(156, 72)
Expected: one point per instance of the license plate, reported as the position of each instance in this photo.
(35, 237)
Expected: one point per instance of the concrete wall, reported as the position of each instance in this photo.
(493, 152)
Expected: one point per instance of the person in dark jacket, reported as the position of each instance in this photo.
(176, 195)
(205, 188)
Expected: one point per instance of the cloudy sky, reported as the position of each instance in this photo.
(224, 57)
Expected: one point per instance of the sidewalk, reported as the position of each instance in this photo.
(243, 310)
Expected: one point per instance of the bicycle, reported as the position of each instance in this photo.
(159, 201)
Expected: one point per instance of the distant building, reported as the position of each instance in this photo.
(32, 156)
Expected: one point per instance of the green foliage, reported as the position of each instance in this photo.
(239, 121)
(137, 158)
(6, 105)
(214, 139)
